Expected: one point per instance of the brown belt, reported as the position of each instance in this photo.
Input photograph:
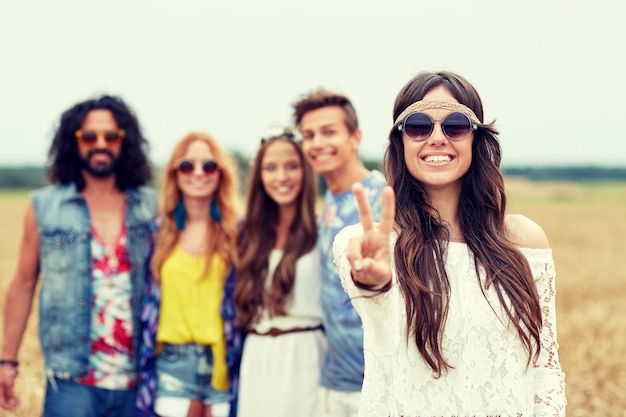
(279, 332)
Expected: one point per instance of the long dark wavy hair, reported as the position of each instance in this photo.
(133, 167)
(481, 211)
(256, 240)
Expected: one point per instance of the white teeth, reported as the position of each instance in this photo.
(197, 184)
(322, 157)
(283, 190)
(438, 158)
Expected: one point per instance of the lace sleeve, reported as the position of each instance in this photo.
(550, 379)
(373, 307)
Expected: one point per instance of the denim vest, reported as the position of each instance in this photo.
(65, 296)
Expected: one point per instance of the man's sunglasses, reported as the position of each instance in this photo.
(419, 126)
(187, 166)
(90, 137)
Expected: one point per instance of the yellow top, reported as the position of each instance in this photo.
(191, 307)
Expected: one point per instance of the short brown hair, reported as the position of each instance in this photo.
(321, 97)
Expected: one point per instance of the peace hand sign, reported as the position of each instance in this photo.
(369, 254)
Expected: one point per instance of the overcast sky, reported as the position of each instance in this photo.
(551, 72)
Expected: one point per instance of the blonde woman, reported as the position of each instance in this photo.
(193, 262)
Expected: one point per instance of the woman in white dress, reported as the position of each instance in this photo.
(277, 295)
(456, 297)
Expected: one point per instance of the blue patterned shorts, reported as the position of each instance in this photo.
(185, 371)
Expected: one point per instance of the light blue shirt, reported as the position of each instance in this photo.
(343, 364)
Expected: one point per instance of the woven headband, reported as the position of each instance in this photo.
(423, 105)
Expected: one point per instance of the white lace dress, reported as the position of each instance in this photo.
(489, 377)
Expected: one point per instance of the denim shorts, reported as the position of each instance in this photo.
(185, 371)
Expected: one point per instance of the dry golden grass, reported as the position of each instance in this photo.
(585, 224)
(586, 228)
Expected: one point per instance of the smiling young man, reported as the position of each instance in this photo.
(330, 141)
(88, 236)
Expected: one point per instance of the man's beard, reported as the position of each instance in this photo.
(100, 169)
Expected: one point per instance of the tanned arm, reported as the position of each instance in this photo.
(19, 300)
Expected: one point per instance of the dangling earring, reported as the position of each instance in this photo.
(179, 215)
(215, 211)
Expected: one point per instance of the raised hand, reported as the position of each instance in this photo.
(369, 255)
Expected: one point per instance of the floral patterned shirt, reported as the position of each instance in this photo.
(110, 362)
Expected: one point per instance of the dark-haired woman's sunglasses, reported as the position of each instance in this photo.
(90, 137)
(419, 126)
(187, 166)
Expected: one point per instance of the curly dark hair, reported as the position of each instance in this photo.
(133, 168)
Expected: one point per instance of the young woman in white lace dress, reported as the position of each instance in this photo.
(277, 294)
(457, 297)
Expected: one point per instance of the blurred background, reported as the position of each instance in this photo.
(550, 73)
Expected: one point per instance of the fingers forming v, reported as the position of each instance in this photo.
(368, 254)
(365, 212)
(388, 211)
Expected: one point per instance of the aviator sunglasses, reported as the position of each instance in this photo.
(419, 126)
(187, 166)
(90, 137)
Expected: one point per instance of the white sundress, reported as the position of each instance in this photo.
(280, 376)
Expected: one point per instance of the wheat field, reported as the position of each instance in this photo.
(586, 227)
